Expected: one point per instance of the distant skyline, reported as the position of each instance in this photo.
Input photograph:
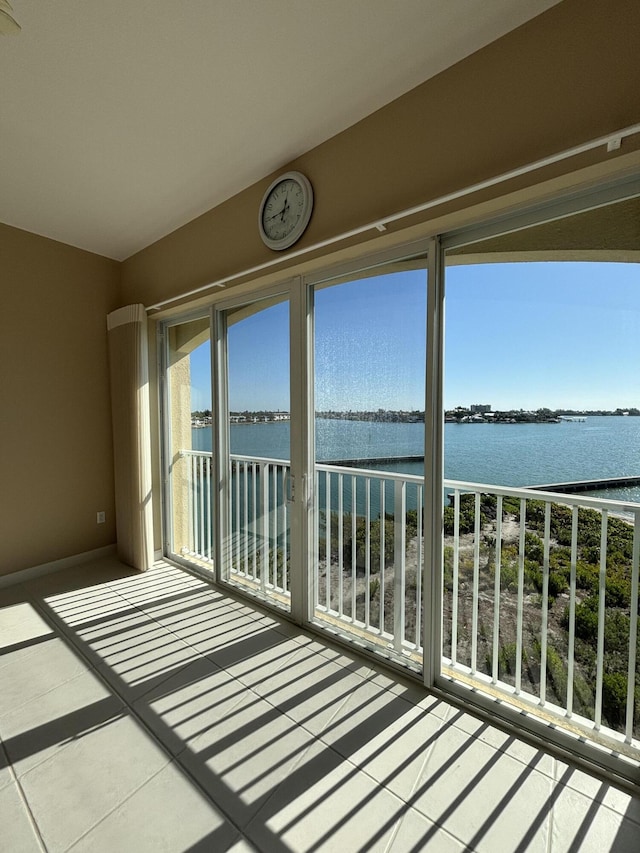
(518, 336)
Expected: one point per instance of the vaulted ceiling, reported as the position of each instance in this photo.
(122, 120)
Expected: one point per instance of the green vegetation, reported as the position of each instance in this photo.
(538, 570)
(464, 414)
(611, 573)
(359, 544)
(274, 556)
(372, 546)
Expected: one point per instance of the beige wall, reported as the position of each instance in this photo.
(56, 458)
(568, 76)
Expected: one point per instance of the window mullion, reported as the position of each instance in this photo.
(433, 464)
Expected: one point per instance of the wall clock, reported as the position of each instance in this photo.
(285, 210)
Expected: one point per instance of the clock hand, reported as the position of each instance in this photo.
(275, 215)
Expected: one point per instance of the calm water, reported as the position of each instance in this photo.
(502, 454)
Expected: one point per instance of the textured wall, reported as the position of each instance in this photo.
(567, 76)
(56, 457)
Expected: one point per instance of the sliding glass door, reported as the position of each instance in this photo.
(254, 446)
(369, 428)
(542, 519)
(459, 529)
(300, 479)
(188, 504)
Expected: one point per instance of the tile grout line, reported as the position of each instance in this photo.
(418, 779)
(593, 799)
(317, 738)
(553, 809)
(68, 643)
(412, 790)
(370, 677)
(25, 801)
(75, 642)
(78, 644)
(132, 793)
(207, 587)
(44, 693)
(57, 635)
(176, 759)
(150, 732)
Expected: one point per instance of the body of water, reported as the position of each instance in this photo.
(500, 454)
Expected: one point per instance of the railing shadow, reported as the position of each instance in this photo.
(274, 741)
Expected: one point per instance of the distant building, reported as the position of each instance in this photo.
(480, 408)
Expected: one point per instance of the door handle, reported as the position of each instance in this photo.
(290, 488)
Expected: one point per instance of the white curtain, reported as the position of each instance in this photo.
(128, 364)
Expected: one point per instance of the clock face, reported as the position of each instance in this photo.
(285, 210)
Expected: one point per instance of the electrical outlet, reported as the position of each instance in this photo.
(100, 518)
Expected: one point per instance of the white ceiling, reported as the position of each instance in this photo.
(121, 120)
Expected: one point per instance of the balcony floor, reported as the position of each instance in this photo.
(155, 713)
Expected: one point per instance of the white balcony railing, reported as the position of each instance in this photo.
(199, 509)
(258, 547)
(540, 601)
(540, 591)
(369, 556)
(259, 520)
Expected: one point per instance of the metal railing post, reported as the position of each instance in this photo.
(399, 562)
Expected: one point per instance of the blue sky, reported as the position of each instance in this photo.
(520, 335)
(543, 334)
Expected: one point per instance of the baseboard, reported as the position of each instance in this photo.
(56, 566)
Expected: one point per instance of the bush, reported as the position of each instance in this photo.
(586, 620)
(618, 593)
(617, 627)
(559, 571)
(509, 577)
(533, 548)
(507, 659)
(557, 584)
(614, 698)
(532, 576)
(591, 554)
(467, 515)
(447, 567)
(587, 577)
(560, 558)
(449, 519)
(557, 674)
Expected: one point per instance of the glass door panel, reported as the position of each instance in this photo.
(369, 391)
(188, 442)
(256, 442)
(542, 515)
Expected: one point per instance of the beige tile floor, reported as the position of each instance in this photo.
(155, 713)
